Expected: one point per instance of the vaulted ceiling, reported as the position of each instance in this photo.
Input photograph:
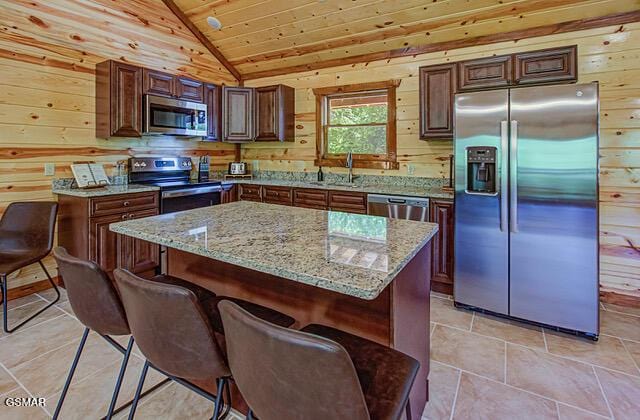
(266, 37)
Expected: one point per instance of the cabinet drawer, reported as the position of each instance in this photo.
(315, 199)
(554, 65)
(188, 89)
(250, 192)
(348, 201)
(157, 83)
(277, 195)
(123, 203)
(485, 73)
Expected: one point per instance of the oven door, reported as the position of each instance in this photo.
(174, 117)
(189, 198)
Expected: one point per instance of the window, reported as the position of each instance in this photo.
(360, 119)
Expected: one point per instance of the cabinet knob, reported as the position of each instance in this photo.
(126, 204)
(124, 216)
(131, 215)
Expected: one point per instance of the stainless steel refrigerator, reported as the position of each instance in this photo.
(526, 204)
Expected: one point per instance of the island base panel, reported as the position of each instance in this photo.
(398, 317)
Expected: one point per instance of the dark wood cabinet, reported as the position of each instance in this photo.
(229, 193)
(83, 229)
(275, 113)
(310, 198)
(437, 90)
(118, 100)
(553, 65)
(277, 195)
(350, 202)
(250, 192)
(238, 116)
(441, 212)
(165, 84)
(213, 99)
(485, 73)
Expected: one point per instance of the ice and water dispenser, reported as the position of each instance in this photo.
(481, 170)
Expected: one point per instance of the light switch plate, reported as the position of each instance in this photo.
(49, 169)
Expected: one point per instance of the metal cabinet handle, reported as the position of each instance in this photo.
(126, 204)
(513, 171)
(131, 215)
(124, 217)
(504, 165)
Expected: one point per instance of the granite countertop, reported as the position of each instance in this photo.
(353, 254)
(378, 188)
(103, 191)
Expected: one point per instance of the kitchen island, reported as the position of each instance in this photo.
(367, 275)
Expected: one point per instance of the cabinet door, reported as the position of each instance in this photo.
(213, 99)
(125, 100)
(237, 108)
(547, 66)
(229, 194)
(437, 88)
(310, 198)
(441, 212)
(350, 202)
(158, 83)
(277, 195)
(250, 192)
(104, 247)
(485, 73)
(275, 113)
(141, 256)
(189, 89)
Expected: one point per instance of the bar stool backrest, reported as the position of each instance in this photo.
(29, 226)
(288, 374)
(171, 328)
(92, 295)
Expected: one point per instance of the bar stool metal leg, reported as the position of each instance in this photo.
(220, 390)
(123, 368)
(5, 300)
(134, 403)
(71, 372)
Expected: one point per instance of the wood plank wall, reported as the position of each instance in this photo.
(609, 55)
(47, 90)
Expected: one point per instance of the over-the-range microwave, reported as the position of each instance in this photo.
(174, 117)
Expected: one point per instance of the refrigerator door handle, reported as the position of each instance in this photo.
(504, 170)
(513, 172)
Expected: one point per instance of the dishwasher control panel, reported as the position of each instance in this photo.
(398, 207)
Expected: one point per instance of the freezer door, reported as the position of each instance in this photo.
(554, 206)
(481, 224)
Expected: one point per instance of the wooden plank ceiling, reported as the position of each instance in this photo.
(269, 37)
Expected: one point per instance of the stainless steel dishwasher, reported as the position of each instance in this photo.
(398, 207)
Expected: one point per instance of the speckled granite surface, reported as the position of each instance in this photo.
(102, 191)
(353, 254)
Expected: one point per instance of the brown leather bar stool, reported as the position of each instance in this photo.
(176, 331)
(26, 237)
(96, 303)
(314, 374)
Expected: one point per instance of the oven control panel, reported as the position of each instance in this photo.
(151, 164)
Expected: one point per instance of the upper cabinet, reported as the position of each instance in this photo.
(275, 113)
(213, 99)
(439, 83)
(164, 84)
(118, 100)
(546, 66)
(437, 87)
(238, 116)
(485, 73)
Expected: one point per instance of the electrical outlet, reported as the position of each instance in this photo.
(411, 169)
(49, 169)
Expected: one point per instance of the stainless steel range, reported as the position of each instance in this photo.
(173, 175)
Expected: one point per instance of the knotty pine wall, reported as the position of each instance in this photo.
(609, 55)
(48, 52)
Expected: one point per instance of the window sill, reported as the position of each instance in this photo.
(365, 164)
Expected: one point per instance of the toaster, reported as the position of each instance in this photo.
(237, 168)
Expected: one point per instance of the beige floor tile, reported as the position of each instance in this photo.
(7, 383)
(441, 295)
(14, 303)
(509, 330)
(20, 313)
(468, 351)
(89, 399)
(624, 309)
(31, 342)
(607, 351)
(50, 295)
(571, 413)
(620, 325)
(443, 383)
(443, 312)
(19, 413)
(65, 306)
(175, 402)
(555, 377)
(96, 355)
(480, 398)
(634, 349)
(622, 392)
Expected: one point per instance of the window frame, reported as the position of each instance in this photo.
(371, 161)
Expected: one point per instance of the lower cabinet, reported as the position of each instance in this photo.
(277, 195)
(441, 212)
(350, 202)
(83, 229)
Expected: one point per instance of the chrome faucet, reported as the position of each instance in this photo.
(350, 166)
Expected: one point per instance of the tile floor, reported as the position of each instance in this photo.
(482, 368)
